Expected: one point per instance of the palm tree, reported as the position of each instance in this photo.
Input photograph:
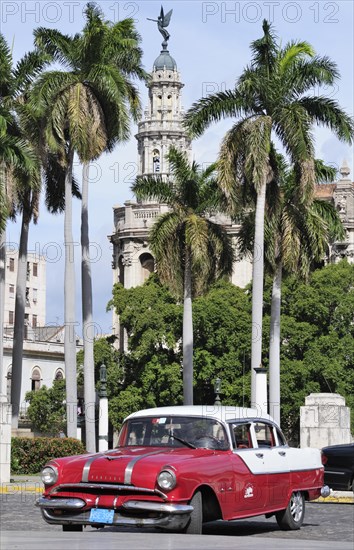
(191, 251)
(15, 156)
(87, 110)
(28, 188)
(269, 99)
(297, 234)
(19, 176)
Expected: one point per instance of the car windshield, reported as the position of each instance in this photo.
(173, 431)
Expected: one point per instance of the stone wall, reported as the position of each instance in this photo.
(324, 420)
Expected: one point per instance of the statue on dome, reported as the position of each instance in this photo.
(162, 22)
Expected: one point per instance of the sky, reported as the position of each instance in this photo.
(210, 43)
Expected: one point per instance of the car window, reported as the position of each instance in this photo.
(264, 434)
(174, 431)
(242, 435)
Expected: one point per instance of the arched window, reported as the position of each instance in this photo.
(59, 375)
(121, 271)
(156, 161)
(36, 379)
(147, 263)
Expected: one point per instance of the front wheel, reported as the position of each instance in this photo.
(195, 523)
(292, 517)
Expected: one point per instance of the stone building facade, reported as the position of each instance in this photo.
(35, 306)
(341, 195)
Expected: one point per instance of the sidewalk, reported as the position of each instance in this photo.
(24, 483)
(33, 484)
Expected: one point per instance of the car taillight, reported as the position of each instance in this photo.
(324, 459)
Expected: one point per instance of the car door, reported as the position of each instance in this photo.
(251, 480)
(272, 449)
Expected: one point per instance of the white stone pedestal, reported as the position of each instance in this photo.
(5, 439)
(261, 390)
(103, 425)
(324, 420)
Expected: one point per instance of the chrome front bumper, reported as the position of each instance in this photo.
(132, 512)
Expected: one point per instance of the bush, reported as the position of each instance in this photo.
(28, 456)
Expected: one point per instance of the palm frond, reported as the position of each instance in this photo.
(212, 109)
(328, 212)
(154, 188)
(27, 69)
(56, 44)
(308, 74)
(326, 112)
(294, 52)
(54, 184)
(6, 83)
(324, 172)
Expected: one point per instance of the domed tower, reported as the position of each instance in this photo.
(160, 128)
(162, 124)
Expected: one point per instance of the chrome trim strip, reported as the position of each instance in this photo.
(129, 469)
(158, 507)
(86, 468)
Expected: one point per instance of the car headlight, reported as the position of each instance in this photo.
(166, 480)
(49, 475)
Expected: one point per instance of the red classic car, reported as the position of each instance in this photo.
(177, 467)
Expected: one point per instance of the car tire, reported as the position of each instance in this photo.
(292, 517)
(195, 523)
(72, 527)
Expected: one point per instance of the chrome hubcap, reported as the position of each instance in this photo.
(296, 506)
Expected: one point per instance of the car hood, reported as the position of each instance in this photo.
(127, 465)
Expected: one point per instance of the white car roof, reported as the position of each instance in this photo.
(218, 412)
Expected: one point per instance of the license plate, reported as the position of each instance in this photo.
(100, 515)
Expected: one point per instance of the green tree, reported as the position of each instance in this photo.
(316, 344)
(269, 99)
(316, 353)
(152, 365)
(46, 409)
(86, 110)
(219, 349)
(190, 250)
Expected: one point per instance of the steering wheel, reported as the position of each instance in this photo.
(210, 443)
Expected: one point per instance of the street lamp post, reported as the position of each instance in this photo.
(217, 389)
(103, 411)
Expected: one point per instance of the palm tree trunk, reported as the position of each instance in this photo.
(274, 347)
(2, 310)
(87, 322)
(69, 307)
(187, 333)
(20, 305)
(257, 292)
